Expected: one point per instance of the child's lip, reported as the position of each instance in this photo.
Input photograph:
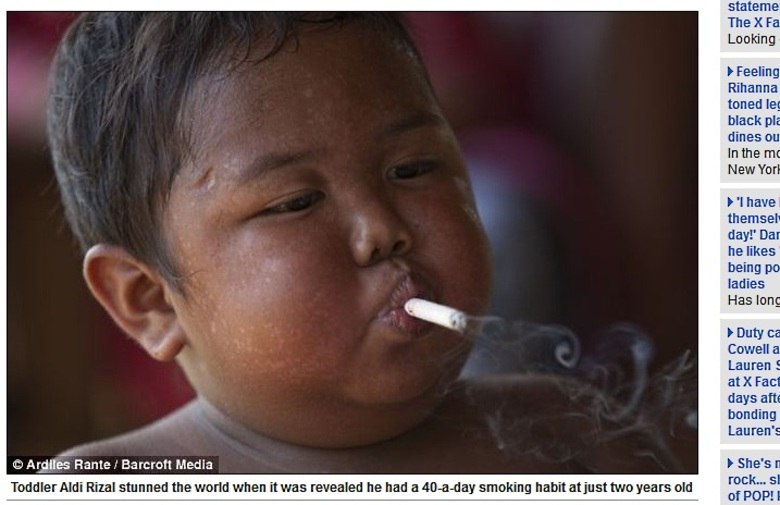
(409, 286)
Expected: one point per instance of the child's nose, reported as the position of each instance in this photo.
(379, 232)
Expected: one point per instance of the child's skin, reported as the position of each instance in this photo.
(324, 190)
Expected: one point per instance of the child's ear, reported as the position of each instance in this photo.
(135, 297)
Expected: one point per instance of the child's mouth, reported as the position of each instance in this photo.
(394, 314)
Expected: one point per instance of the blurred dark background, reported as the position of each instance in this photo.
(580, 130)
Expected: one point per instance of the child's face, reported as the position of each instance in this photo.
(326, 189)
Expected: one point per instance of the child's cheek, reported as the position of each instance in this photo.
(462, 250)
(466, 197)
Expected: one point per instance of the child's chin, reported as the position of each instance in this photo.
(421, 389)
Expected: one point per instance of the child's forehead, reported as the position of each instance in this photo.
(318, 58)
(344, 77)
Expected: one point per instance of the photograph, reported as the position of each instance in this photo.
(354, 242)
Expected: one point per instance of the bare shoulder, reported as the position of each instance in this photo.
(560, 419)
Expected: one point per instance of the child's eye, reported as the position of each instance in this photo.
(296, 204)
(411, 170)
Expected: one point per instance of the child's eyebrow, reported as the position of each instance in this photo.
(272, 161)
(417, 120)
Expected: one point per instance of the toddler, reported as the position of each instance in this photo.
(257, 196)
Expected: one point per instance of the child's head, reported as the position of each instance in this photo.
(258, 195)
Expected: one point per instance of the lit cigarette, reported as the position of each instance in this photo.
(437, 314)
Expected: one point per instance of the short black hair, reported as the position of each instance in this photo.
(118, 88)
